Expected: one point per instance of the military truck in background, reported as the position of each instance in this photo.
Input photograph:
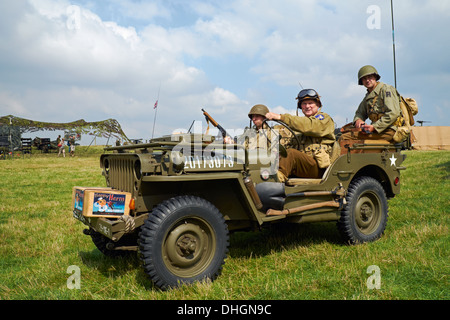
(176, 199)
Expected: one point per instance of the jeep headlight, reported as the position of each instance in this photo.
(177, 159)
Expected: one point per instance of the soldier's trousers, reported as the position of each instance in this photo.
(301, 165)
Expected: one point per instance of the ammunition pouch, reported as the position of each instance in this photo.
(399, 122)
(323, 153)
(401, 134)
(377, 116)
(322, 156)
(320, 152)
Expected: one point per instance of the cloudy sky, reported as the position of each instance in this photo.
(64, 60)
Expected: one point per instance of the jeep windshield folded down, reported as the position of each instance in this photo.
(176, 199)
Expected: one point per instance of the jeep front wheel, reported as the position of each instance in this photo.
(184, 239)
(364, 217)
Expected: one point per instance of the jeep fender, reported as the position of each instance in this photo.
(225, 190)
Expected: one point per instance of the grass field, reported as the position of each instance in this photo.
(40, 240)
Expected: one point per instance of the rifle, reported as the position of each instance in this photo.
(215, 124)
(349, 127)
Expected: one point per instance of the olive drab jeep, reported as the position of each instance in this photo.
(176, 199)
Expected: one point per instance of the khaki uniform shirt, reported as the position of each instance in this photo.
(256, 139)
(319, 127)
(381, 106)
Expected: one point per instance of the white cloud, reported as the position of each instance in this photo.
(12, 103)
(64, 60)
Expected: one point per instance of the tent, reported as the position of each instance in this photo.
(431, 138)
(109, 128)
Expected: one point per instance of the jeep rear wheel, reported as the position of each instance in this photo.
(364, 217)
(184, 239)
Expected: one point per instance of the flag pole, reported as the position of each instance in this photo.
(156, 110)
(393, 43)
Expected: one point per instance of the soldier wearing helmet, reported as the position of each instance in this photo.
(381, 105)
(367, 71)
(258, 135)
(317, 130)
(257, 115)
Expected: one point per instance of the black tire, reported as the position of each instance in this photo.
(185, 239)
(365, 215)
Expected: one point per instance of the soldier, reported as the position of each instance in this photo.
(317, 130)
(258, 136)
(381, 105)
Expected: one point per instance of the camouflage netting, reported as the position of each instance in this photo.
(108, 128)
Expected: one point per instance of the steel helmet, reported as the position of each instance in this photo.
(365, 71)
(306, 94)
(259, 109)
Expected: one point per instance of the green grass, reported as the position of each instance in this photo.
(39, 240)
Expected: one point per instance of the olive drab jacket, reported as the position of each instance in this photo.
(317, 132)
(381, 106)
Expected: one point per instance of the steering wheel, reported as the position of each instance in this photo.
(283, 151)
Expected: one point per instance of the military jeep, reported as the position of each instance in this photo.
(177, 199)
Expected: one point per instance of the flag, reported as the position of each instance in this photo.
(156, 104)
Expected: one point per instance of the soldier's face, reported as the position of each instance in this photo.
(257, 120)
(309, 107)
(369, 81)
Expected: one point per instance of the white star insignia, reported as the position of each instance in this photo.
(393, 160)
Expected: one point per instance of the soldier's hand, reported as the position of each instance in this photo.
(368, 128)
(273, 116)
(228, 140)
(359, 123)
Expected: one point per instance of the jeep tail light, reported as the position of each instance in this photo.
(397, 181)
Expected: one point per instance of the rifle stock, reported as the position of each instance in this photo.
(214, 122)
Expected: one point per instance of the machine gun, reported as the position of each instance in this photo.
(214, 123)
(422, 122)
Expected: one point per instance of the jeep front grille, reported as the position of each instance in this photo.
(120, 172)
